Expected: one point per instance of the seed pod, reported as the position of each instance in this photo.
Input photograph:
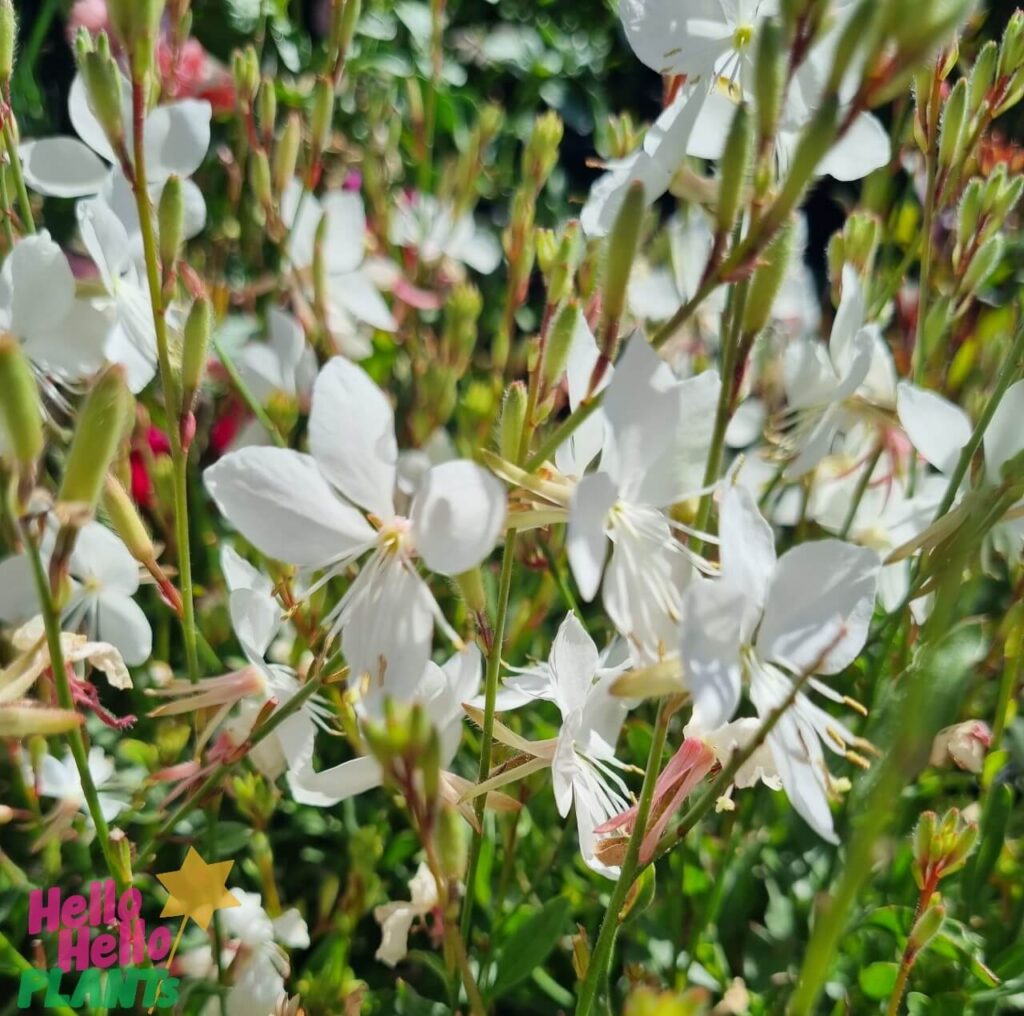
(767, 280)
(346, 25)
(194, 350)
(556, 352)
(267, 99)
(20, 409)
(951, 133)
(259, 177)
(983, 265)
(512, 421)
(322, 115)
(103, 88)
(286, 154)
(126, 521)
(734, 164)
(621, 253)
(8, 40)
(102, 423)
(171, 222)
(770, 78)
(926, 928)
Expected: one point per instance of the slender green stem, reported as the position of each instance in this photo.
(487, 736)
(14, 159)
(597, 971)
(51, 621)
(858, 494)
(246, 392)
(5, 210)
(900, 987)
(1007, 683)
(168, 382)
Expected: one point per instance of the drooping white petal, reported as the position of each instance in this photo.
(346, 230)
(574, 663)
(177, 138)
(457, 515)
(938, 429)
(1004, 438)
(239, 574)
(331, 786)
(808, 375)
(119, 620)
(587, 542)
(747, 553)
(256, 618)
(74, 347)
(357, 294)
(710, 651)
(279, 501)
(481, 252)
(62, 167)
(819, 607)
(301, 212)
(864, 148)
(352, 436)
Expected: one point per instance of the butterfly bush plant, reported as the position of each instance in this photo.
(554, 597)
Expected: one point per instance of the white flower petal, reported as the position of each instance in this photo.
(331, 786)
(18, 600)
(747, 553)
(177, 139)
(1004, 438)
(361, 298)
(278, 500)
(101, 557)
(74, 348)
(119, 620)
(62, 167)
(87, 127)
(352, 436)
(587, 541)
(256, 618)
(819, 607)
(574, 662)
(674, 39)
(36, 286)
(346, 231)
(457, 516)
(864, 148)
(937, 428)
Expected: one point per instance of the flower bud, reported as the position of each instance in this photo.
(556, 351)
(541, 153)
(460, 325)
(259, 178)
(103, 421)
(429, 758)
(564, 265)
(1007, 199)
(25, 719)
(267, 99)
(121, 856)
(322, 115)
(969, 214)
(983, 76)
(1011, 51)
(861, 232)
(345, 27)
(951, 133)
(8, 40)
(137, 23)
(926, 927)
(194, 350)
(451, 844)
(924, 834)
(102, 82)
(963, 745)
(171, 223)
(512, 421)
(734, 164)
(245, 68)
(286, 153)
(125, 520)
(471, 586)
(767, 280)
(770, 78)
(621, 252)
(983, 265)
(20, 409)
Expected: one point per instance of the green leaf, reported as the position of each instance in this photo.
(878, 979)
(529, 945)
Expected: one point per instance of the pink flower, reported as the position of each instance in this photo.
(196, 75)
(88, 14)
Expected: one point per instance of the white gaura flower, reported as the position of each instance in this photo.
(131, 335)
(59, 779)
(177, 138)
(432, 229)
(105, 577)
(833, 389)
(582, 757)
(256, 619)
(441, 690)
(61, 335)
(308, 510)
(396, 918)
(254, 953)
(770, 622)
(352, 297)
(656, 440)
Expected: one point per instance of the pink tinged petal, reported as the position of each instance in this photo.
(937, 428)
(457, 516)
(587, 542)
(119, 620)
(574, 662)
(864, 148)
(62, 167)
(177, 139)
(1004, 438)
(352, 436)
(747, 553)
(710, 650)
(330, 786)
(819, 607)
(278, 500)
(36, 286)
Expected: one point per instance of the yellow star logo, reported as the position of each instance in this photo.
(197, 889)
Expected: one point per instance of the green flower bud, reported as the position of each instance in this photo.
(471, 586)
(541, 153)
(125, 519)
(812, 146)
(259, 178)
(621, 253)
(20, 409)
(286, 153)
(1011, 51)
(969, 214)
(926, 928)
(556, 352)
(267, 99)
(460, 332)
(171, 223)
(322, 115)
(452, 847)
(83, 43)
(924, 834)
(512, 421)
(983, 265)
(767, 280)
(430, 763)
(121, 856)
(194, 350)
(1008, 199)
(961, 849)
(951, 133)
(103, 421)
(346, 25)
(770, 78)
(566, 259)
(245, 68)
(137, 23)
(983, 76)
(8, 40)
(102, 82)
(547, 250)
(734, 165)
(862, 232)
(25, 719)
